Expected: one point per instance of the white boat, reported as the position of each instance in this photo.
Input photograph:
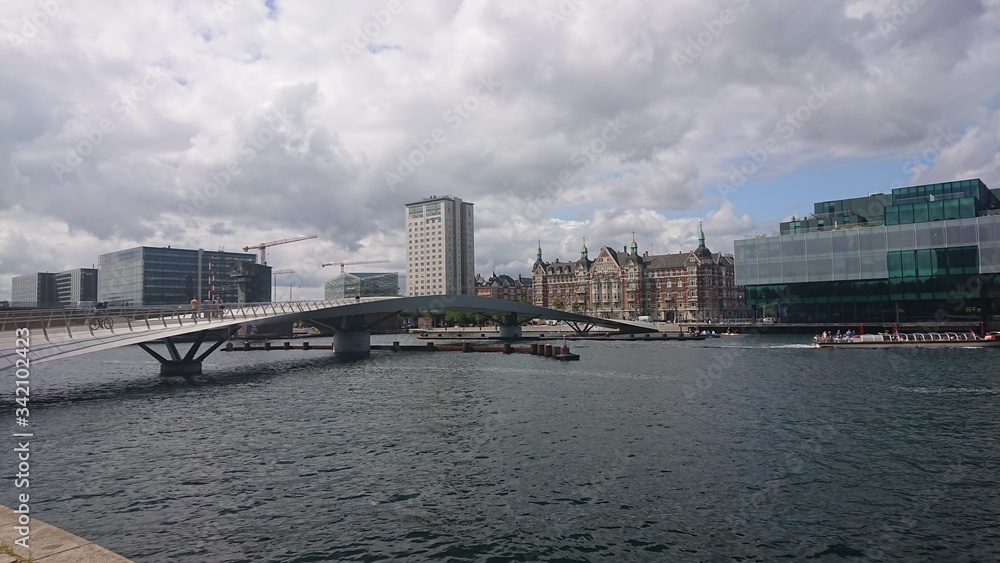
(912, 340)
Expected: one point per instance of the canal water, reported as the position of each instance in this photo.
(750, 448)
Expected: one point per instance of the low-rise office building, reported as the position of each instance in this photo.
(64, 289)
(34, 290)
(925, 253)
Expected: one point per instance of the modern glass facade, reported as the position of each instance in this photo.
(169, 276)
(365, 285)
(926, 259)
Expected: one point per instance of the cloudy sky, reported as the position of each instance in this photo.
(227, 123)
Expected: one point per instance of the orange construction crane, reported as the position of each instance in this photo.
(342, 264)
(262, 247)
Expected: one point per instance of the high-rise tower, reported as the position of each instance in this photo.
(440, 247)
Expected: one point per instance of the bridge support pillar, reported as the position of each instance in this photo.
(510, 331)
(352, 344)
(510, 327)
(189, 363)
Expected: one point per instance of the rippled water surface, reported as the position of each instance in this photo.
(747, 448)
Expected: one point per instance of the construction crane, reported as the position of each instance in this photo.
(262, 247)
(342, 264)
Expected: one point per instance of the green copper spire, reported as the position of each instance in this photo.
(635, 247)
(539, 255)
(583, 251)
(701, 235)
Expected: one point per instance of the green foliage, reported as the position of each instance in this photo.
(460, 319)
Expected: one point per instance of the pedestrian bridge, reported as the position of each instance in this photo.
(52, 334)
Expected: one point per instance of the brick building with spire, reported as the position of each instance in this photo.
(694, 286)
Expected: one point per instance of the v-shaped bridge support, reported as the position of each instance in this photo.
(188, 364)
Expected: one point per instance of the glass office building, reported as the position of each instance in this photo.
(365, 285)
(926, 253)
(170, 276)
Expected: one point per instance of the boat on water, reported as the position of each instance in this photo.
(911, 340)
(704, 334)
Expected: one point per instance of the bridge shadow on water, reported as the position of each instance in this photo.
(139, 379)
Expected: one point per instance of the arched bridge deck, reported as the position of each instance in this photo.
(63, 333)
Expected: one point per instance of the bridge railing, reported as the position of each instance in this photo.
(130, 318)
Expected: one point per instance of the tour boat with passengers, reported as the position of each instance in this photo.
(903, 340)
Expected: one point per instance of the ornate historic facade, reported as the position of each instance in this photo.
(685, 287)
(504, 287)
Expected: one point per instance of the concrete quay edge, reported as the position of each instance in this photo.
(50, 544)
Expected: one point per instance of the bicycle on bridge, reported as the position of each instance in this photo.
(101, 319)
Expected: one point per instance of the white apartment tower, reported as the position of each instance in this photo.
(440, 247)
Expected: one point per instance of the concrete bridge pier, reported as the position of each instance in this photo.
(510, 327)
(352, 344)
(351, 337)
(510, 331)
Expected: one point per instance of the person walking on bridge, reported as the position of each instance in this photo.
(194, 307)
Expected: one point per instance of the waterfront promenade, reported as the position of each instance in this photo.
(49, 544)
